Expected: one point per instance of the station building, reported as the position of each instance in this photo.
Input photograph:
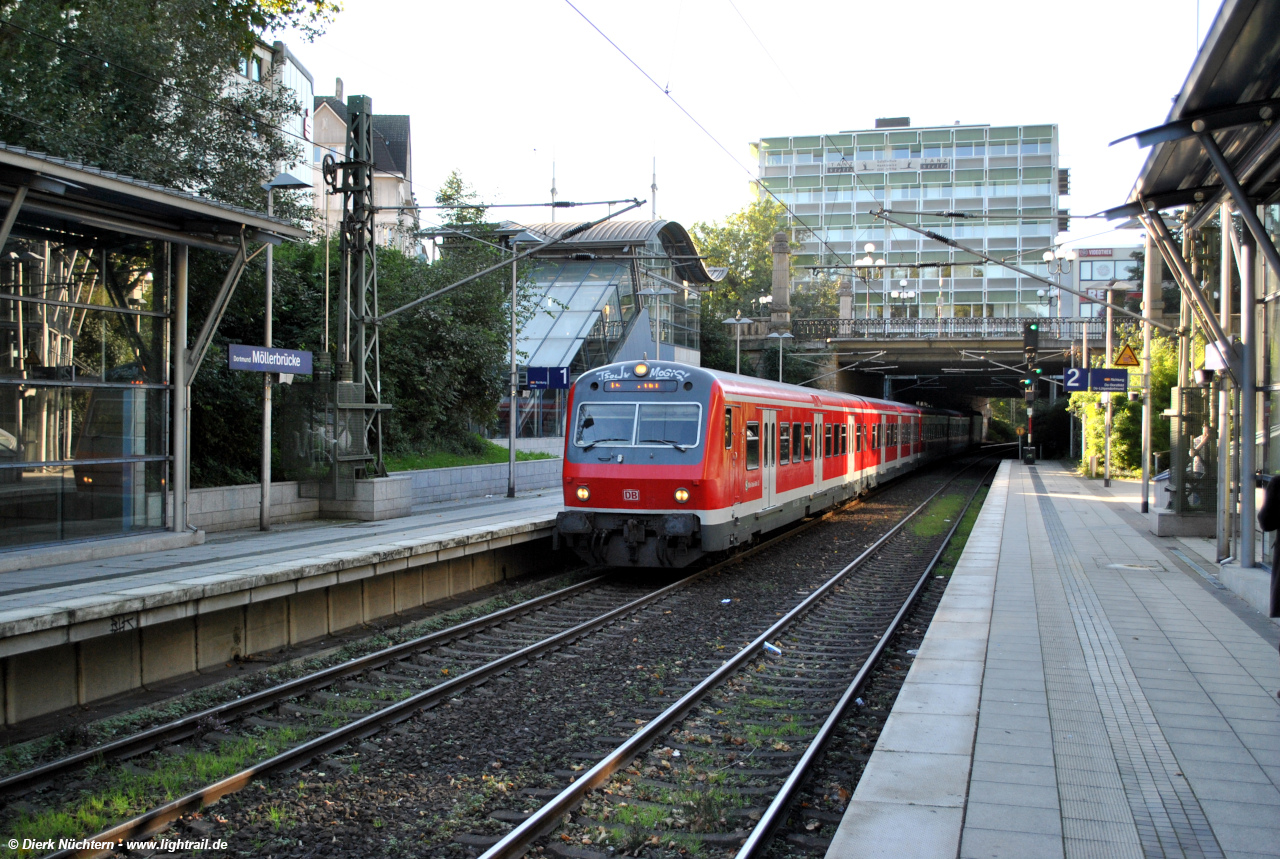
(617, 291)
(1007, 178)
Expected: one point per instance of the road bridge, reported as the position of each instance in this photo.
(947, 362)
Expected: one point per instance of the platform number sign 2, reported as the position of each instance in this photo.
(1075, 379)
(551, 378)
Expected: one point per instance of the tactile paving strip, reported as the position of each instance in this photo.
(1168, 818)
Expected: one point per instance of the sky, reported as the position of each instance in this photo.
(502, 89)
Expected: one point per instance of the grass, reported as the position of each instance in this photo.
(949, 558)
(130, 792)
(937, 518)
(492, 455)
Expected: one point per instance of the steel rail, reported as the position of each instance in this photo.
(546, 818)
(777, 811)
(156, 819)
(186, 726)
(152, 821)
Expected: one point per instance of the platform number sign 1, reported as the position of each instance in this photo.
(1075, 379)
(548, 378)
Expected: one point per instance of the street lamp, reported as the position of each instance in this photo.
(283, 180)
(867, 270)
(655, 295)
(526, 237)
(906, 296)
(786, 335)
(1058, 262)
(1048, 297)
(737, 321)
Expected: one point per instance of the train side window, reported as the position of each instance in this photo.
(753, 445)
(728, 428)
(828, 433)
(858, 431)
(784, 443)
(808, 442)
(875, 436)
(844, 439)
(795, 442)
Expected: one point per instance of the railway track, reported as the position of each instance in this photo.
(313, 715)
(365, 700)
(719, 768)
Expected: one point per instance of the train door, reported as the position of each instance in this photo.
(768, 455)
(817, 451)
(733, 430)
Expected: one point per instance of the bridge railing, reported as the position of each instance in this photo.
(971, 328)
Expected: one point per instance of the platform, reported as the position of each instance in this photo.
(1085, 689)
(78, 632)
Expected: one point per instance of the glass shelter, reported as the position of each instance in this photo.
(96, 364)
(622, 289)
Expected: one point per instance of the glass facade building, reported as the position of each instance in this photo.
(623, 289)
(1005, 177)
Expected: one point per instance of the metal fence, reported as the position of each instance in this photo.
(945, 328)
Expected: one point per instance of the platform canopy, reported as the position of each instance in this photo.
(73, 203)
(1232, 93)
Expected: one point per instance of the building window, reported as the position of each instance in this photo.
(255, 69)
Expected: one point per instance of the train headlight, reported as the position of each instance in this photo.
(584, 494)
(641, 370)
(682, 495)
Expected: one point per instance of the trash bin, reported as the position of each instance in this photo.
(1028, 455)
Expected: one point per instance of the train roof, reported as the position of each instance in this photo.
(751, 386)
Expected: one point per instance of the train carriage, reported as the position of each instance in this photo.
(666, 462)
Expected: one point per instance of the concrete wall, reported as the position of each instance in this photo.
(116, 654)
(553, 445)
(477, 481)
(227, 508)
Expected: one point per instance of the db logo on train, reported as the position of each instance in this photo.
(631, 495)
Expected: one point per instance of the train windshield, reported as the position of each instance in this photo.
(669, 424)
(676, 425)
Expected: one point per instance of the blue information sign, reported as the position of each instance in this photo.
(1075, 379)
(260, 359)
(548, 378)
(1109, 380)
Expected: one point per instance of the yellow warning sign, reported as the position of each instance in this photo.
(1021, 430)
(1126, 358)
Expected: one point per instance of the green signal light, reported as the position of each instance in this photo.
(1038, 371)
(1034, 327)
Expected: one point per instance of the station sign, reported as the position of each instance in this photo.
(1109, 380)
(1078, 379)
(1075, 379)
(548, 378)
(262, 359)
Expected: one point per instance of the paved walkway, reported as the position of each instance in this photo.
(51, 597)
(1083, 691)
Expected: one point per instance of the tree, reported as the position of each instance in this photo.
(742, 244)
(149, 89)
(1126, 415)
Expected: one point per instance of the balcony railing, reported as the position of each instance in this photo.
(976, 328)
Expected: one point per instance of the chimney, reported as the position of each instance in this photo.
(337, 89)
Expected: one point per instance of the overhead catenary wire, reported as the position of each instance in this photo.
(667, 92)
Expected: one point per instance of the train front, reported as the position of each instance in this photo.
(636, 463)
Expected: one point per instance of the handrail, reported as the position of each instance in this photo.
(1050, 328)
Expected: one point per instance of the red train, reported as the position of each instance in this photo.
(666, 462)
